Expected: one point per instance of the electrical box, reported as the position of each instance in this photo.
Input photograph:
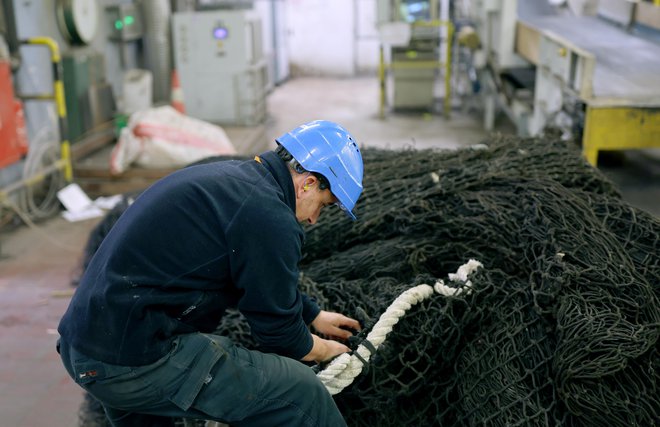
(221, 66)
(125, 22)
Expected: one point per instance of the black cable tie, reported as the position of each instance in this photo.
(372, 350)
(365, 363)
(369, 346)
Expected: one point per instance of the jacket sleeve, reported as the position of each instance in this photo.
(264, 241)
(310, 309)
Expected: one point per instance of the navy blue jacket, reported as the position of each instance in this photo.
(195, 243)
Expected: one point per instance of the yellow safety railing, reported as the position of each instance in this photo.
(63, 164)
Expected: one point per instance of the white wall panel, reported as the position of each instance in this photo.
(321, 37)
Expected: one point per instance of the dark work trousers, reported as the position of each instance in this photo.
(206, 377)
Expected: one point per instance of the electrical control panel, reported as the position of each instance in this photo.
(219, 58)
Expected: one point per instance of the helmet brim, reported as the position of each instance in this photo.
(348, 213)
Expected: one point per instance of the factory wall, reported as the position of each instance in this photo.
(366, 37)
(334, 38)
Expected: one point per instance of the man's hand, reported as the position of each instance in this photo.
(330, 325)
(324, 350)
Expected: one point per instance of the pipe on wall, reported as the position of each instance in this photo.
(8, 31)
(158, 46)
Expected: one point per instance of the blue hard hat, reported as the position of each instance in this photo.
(328, 149)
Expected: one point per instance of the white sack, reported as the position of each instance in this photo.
(162, 138)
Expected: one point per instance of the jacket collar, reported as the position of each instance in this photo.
(282, 175)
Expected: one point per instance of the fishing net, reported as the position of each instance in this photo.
(561, 323)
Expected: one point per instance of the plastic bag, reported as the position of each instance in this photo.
(162, 137)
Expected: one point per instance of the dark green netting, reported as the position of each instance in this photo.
(562, 324)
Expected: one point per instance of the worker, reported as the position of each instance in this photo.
(138, 333)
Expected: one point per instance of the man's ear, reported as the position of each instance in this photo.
(301, 183)
(310, 181)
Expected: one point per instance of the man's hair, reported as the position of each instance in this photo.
(293, 164)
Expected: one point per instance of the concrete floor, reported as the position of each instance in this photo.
(37, 264)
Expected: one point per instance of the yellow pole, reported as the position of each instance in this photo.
(450, 37)
(58, 92)
(381, 80)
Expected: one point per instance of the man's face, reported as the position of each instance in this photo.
(310, 200)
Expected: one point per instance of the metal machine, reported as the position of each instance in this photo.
(415, 49)
(221, 66)
(592, 75)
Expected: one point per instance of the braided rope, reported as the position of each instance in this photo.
(341, 372)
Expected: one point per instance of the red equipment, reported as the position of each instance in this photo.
(13, 136)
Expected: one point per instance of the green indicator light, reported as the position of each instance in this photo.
(119, 25)
(129, 20)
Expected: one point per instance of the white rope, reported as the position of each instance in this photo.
(341, 372)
